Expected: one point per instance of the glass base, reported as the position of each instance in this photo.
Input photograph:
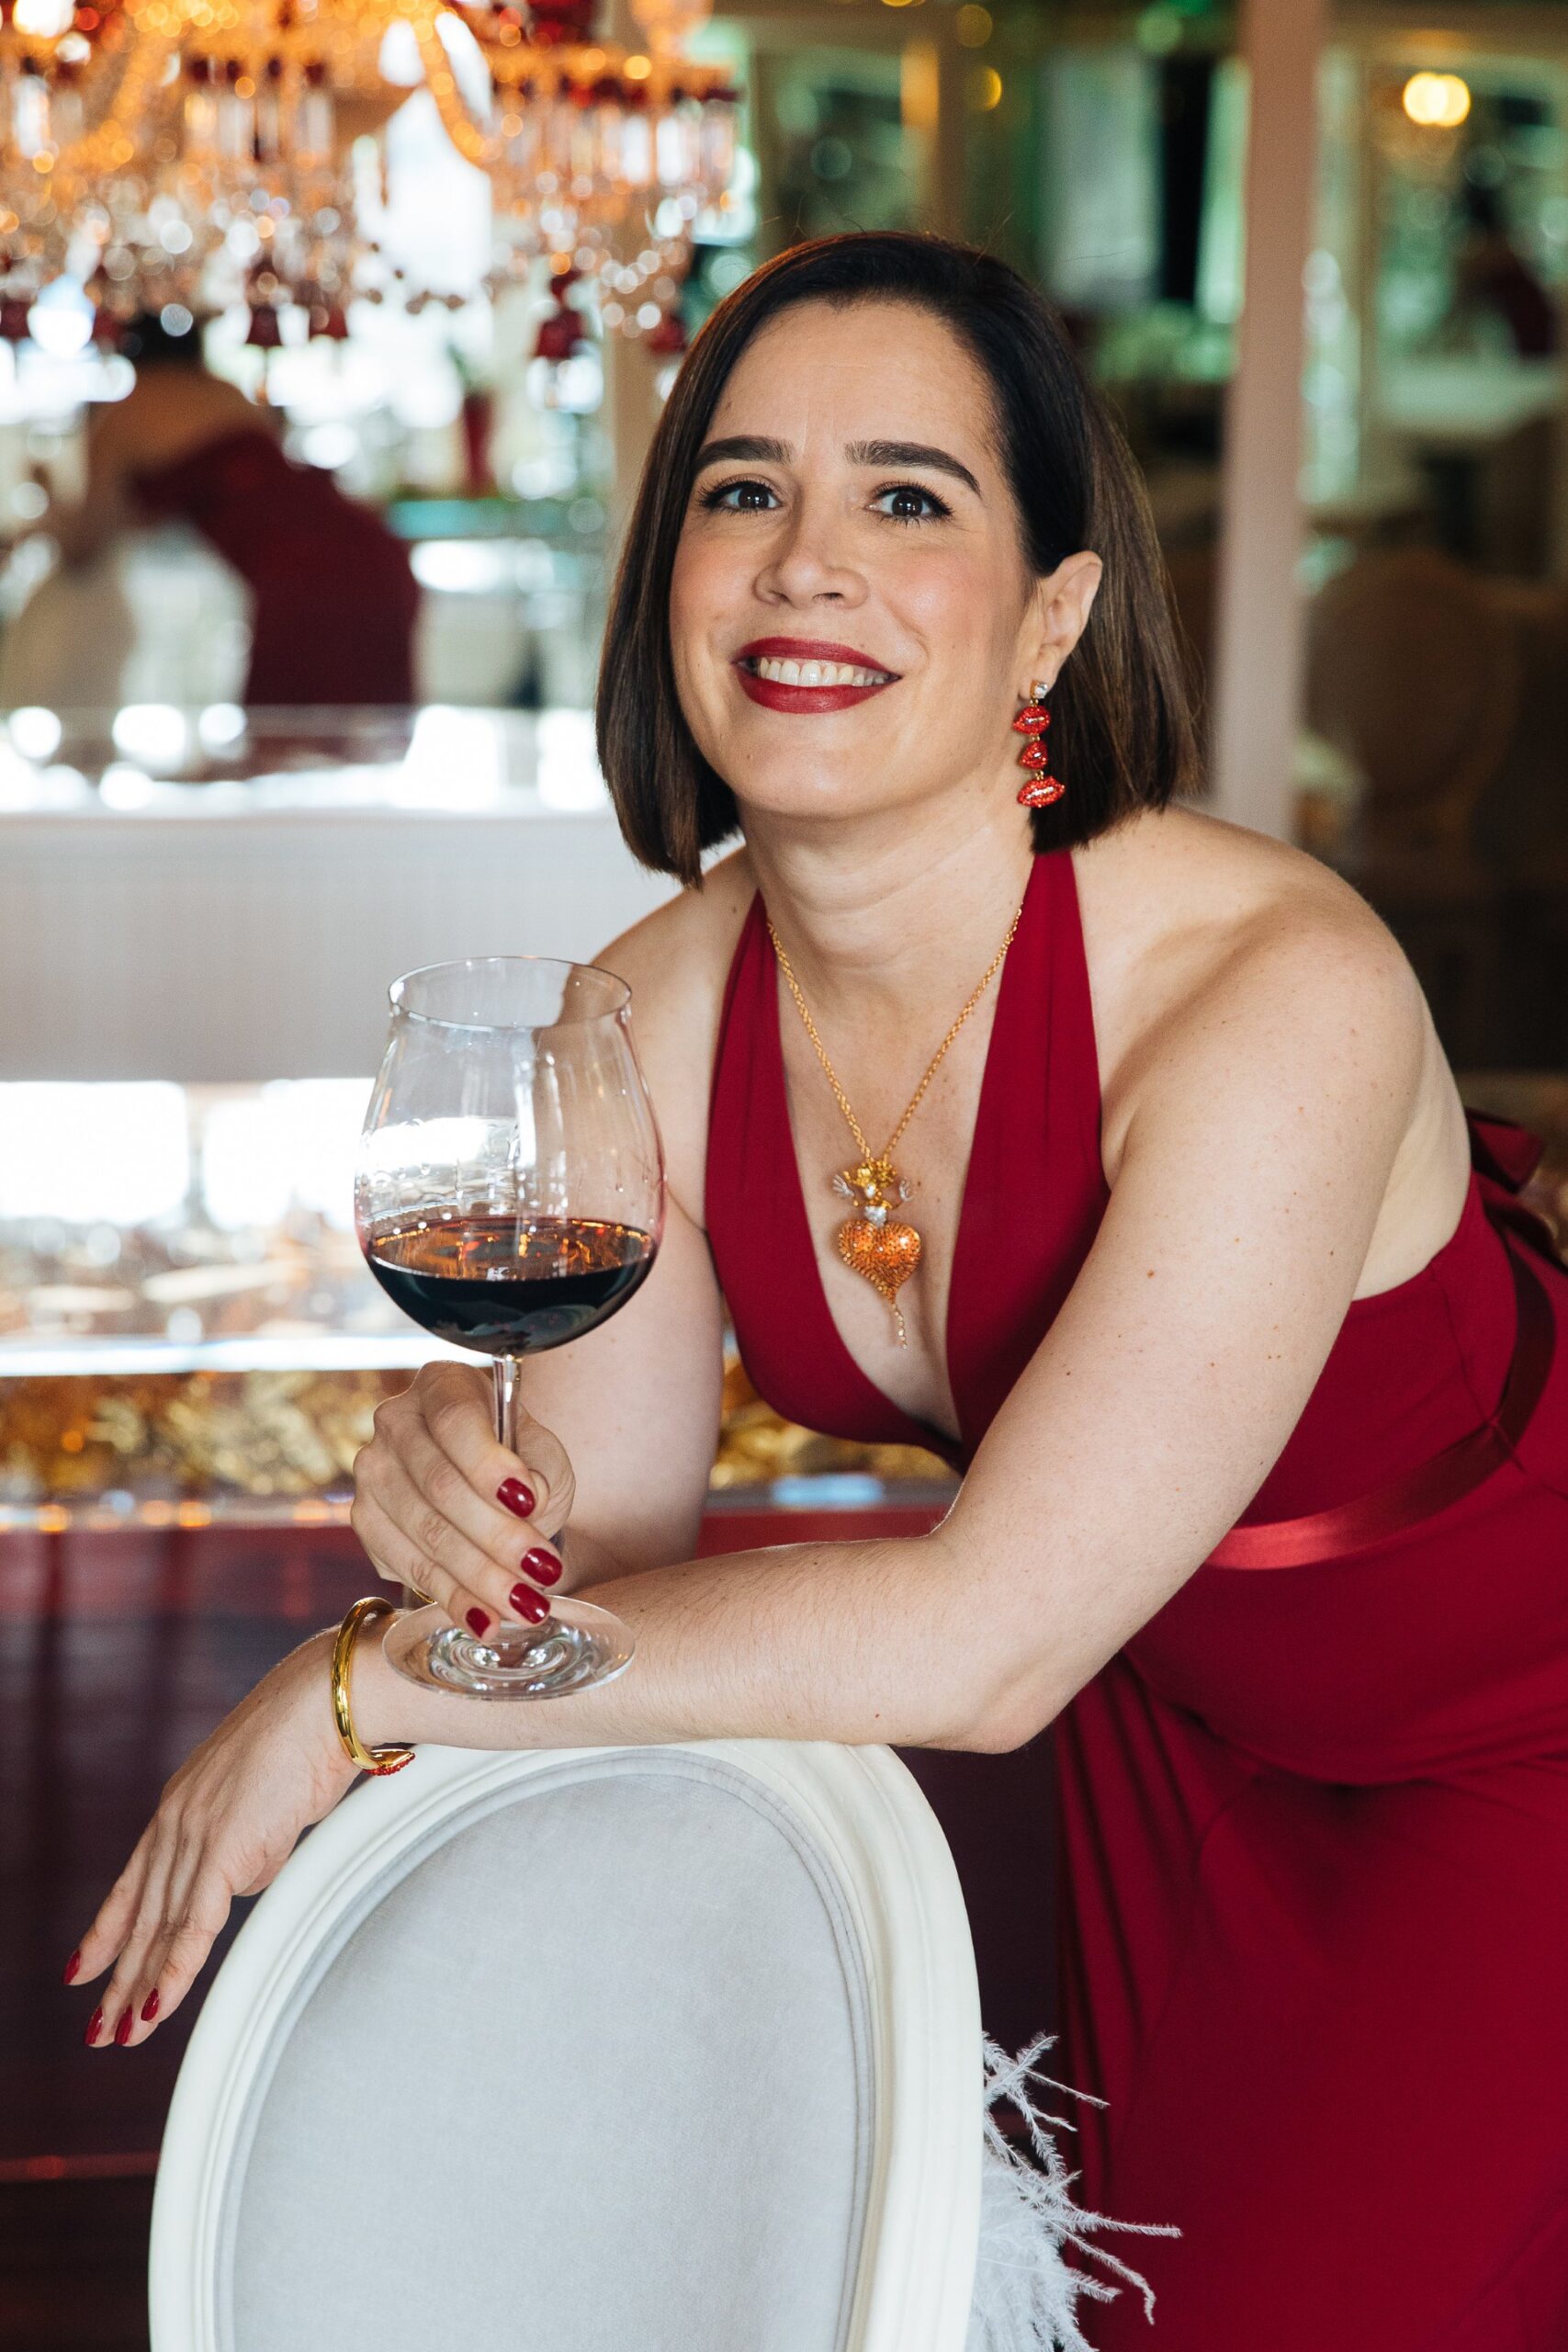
(577, 1646)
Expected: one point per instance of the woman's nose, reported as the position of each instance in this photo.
(807, 560)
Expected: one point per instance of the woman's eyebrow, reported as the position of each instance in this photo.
(755, 446)
(761, 450)
(910, 453)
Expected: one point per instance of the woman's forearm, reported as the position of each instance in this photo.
(858, 1643)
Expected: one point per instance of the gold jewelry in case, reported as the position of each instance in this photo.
(875, 1242)
(369, 1759)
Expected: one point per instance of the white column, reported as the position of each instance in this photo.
(1259, 628)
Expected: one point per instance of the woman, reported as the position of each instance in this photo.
(1200, 1242)
(333, 601)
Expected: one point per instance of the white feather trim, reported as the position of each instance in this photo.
(1025, 2296)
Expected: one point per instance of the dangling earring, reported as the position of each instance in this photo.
(1039, 788)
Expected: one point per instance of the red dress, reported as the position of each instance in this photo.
(334, 600)
(1310, 1826)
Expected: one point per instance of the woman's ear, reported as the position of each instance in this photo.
(1062, 603)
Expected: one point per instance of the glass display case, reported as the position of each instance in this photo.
(188, 1333)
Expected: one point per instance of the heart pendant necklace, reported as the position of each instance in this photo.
(875, 1241)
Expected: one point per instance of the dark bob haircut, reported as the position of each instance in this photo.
(1123, 726)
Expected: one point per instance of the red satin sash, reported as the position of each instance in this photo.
(1502, 1154)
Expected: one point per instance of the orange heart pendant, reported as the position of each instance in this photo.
(885, 1254)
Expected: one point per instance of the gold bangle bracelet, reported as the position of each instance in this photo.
(368, 1760)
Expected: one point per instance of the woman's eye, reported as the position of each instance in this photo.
(737, 497)
(910, 498)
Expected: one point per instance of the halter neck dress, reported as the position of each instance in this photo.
(1290, 1874)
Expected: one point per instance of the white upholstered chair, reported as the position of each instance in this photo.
(647, 2050)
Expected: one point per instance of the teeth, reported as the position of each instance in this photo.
(817, 674)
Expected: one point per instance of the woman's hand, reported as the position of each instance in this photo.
(439, 1505)
(226, 1824)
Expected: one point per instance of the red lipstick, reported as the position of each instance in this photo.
(773, 696)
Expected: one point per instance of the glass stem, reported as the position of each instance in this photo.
(508, 1413)
(506, 1401)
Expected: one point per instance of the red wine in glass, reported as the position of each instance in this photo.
(510, 1196)
(509, 1289)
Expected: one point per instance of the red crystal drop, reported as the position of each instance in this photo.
(1040, 791)
(1033, 720)
(1034, 756)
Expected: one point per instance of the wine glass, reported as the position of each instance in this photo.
(509, 1196)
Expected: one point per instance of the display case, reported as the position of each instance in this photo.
(188, 1333)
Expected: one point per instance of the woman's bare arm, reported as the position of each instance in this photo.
(1255, 1161)
(106, 507)
(1257, 1153)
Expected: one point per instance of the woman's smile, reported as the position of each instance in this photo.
(808, 673)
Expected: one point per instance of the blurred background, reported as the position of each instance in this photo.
(333, 333)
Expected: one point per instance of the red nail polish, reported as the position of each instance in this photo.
(529, 1604)
(516, 1497)
(94, 2022)
(123, 2030)
(71, 1965)
(478, 1621)
(542, 1566)
(150, 2006)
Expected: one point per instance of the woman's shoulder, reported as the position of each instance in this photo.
(1193, 923)
(676, 962)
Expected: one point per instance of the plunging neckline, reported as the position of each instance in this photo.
(922, 1433)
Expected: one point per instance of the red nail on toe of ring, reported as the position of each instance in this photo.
(150, 2006)
(94, 2022)
(516, 1497)
(123, 2030)
(71, 1965)
(478, 1621)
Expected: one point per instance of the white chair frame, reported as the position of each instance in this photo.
(866, 1822)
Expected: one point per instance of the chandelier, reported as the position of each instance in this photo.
(201, 150)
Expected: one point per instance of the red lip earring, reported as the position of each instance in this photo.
(1039, 788)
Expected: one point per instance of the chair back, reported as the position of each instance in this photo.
(600, 2051)
(1412, 674)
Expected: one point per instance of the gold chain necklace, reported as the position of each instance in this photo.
(872, 1243)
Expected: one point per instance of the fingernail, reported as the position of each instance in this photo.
(529, 1604)
(71, 1965)
(94, 2022)
(542, 1566)
(123, 2030)
(478, 1621)
(516, 1497)
(150, 2006)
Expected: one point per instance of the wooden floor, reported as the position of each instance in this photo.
(118, 1655)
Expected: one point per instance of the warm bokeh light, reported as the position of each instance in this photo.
(1436, 101)
(985, 88)
(43, 19)
(974, 25)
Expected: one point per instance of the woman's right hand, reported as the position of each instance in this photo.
(226, 1824)
(440, 1505)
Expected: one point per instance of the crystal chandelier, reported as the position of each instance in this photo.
(193, 150)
